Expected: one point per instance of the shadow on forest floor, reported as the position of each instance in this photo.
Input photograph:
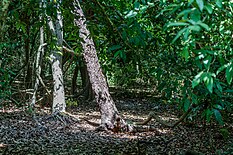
(21, 134)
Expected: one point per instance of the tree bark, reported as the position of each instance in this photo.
(108, 110)
(56, 58)
(39, 57)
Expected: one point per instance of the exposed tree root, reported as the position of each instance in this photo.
(121, 126)
(91, 123)
(156, 117)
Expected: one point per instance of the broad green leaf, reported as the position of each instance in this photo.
(117, 53)
(179, 34)
(207, 62)
(219, 3)
(184, 13)
(205, 26)
(177, 24)
(210, 84)
(200, 4)
(192, 22)
(218, 116)
(195, 28)
(195, 15)
(209, 81)
(229, 73)
(209, 8)
(185, 53)
(197, 79)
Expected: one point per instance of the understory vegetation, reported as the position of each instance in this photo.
(167, 65)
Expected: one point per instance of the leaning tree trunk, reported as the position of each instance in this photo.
(56, 58)
(108, 110)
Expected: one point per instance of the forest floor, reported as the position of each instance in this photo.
(20, 133)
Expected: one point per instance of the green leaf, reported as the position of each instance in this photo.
(136, 5)
(217, 106)
(184, 13)
(208, 115)
(131, 14)
(195, 28)
(186, 35)
(205, 26)
(185, 53)
(177, 24)
(207, 62)
(195, 15)
(210, 83)
(218, 84)
(229, 73)
(190, 2)
(200, 4)
(114, 47)
(179, 34)
(144, 2)
(219, 3)
(221, 68)
(218, 116)
(122, 55)
(117, 53)
(229, 91)
(197, 79)
(209, 8)
(150, 4)
(186, 104)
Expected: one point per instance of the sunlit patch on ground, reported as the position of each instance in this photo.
(20, 134)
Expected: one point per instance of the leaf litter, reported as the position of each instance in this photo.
(20, 133)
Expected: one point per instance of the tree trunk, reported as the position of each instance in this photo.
(56, 58)
(39, 57)
(108, 110)
(28, 77)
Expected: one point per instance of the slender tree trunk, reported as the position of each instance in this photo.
(56, 58)
(28, 77)
(108, 110)
(39, 57)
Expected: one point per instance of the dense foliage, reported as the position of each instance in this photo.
(180, 49)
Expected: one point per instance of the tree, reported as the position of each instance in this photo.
(108, 110)
(59, 104)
